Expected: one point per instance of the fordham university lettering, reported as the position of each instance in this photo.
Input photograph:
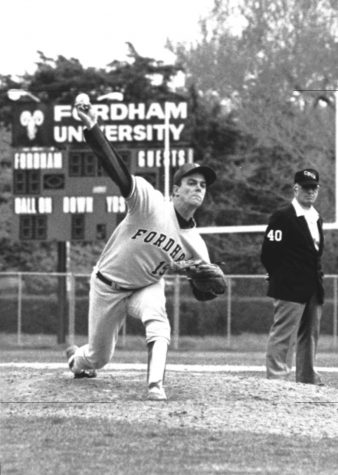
(134, 122)
(166, 243)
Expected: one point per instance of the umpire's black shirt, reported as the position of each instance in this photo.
(291, 258)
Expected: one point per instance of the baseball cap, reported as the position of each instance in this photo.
(190, 168)
(308, 176)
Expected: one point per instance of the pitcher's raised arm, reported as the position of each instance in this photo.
(110, 159)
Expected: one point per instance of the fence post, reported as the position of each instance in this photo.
(62, 291)
(229, 311)
(335, 322)
(176, 306)
(71, 309)
(19, 316)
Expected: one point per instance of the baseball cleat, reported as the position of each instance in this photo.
(84, 373)
(156, 392)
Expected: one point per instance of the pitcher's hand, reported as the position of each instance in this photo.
(85, 110)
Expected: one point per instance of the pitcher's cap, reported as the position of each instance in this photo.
(190, 168)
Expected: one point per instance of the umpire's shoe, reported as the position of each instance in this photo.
(85, 373)
(156, 392)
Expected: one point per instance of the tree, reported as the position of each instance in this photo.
(282, 46)
(256, 73)
(59, 80)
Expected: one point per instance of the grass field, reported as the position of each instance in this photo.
(228, 420)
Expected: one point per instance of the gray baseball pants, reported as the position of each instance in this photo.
(108, 310)
(295, 326)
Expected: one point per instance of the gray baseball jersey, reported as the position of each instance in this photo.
(148, 240)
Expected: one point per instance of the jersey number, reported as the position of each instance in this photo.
(161, 268)
(275, 235)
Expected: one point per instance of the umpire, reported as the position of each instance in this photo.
(291, 253)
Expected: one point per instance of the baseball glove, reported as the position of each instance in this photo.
(205, 277)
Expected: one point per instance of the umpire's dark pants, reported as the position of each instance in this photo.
(295, 324)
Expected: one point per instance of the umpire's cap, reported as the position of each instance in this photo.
(309, 176)
(190, 168)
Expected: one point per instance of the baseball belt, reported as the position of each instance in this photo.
(113, 285)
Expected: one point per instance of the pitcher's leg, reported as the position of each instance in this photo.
(107, 311)
(158, 339)
(149, 306)
(157, 357)
(281, 338)
(307, 340)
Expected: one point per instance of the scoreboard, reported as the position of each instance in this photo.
(60, 190)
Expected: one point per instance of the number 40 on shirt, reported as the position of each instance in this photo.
(275, 235)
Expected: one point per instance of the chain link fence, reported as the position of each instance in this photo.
(57, 303)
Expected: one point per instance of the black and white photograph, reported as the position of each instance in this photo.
(169, 237)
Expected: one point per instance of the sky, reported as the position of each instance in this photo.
(93, 31)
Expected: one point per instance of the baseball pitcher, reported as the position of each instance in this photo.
(156, 235)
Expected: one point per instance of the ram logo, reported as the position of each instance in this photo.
(32, 120)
